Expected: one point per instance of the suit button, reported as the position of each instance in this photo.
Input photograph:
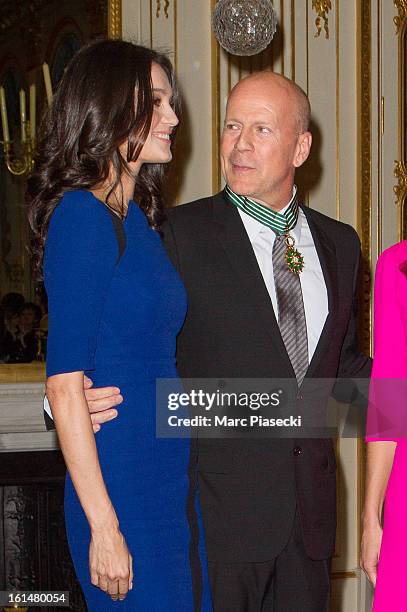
(297, 451)
(300, 396)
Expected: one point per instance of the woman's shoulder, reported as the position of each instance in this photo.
(394, 256)
(82, 201)
(80, 229)
(79, 207)
(80, 220)
(392, 266)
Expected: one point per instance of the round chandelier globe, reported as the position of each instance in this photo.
(244, 27)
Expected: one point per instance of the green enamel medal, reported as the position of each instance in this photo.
(294, 259)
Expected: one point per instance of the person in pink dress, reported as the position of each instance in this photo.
(384, 540)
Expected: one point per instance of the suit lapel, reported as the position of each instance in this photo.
(237, 247)
(235, 242)
(328, 259)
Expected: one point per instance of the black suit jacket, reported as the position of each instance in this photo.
(250, 488)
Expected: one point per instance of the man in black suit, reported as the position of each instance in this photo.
(260, 310)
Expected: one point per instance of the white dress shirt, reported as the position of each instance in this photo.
(313, 285)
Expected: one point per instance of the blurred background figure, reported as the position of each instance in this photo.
(19, 322)
(30, 316)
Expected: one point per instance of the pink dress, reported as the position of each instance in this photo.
(387, 420)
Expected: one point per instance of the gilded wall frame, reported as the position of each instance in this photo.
(364, 203)
(364, 170)
(114, 19)
(400, 170)
(35, 372)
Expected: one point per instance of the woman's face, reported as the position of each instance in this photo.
(157, 148)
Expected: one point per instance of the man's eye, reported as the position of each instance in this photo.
(263, 129)
(231, 126)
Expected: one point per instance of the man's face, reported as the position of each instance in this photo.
(260, 141)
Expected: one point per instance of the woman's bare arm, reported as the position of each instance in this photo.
(110, 561)
(380, 457)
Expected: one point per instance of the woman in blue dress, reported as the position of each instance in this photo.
(116, 305)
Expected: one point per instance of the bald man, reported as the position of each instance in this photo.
(260, 310)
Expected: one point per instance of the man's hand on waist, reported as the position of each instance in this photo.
(101, 403)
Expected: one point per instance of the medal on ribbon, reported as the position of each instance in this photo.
(294, 259)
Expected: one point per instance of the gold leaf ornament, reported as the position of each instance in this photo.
(401, 6)
(322, 8)
(166, 7)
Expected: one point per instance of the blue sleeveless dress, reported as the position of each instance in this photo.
(117, 319)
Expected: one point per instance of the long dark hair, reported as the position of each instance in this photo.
(104, 98)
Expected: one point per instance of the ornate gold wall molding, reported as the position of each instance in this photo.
(114, 27)
(166, 7)
(364, 199)
(400, 170)
(322, 8)
(401, 6)
(364, 169)
(215, 86)
(343, 575)
(400, 191)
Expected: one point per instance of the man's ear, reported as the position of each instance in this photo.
(302, 149)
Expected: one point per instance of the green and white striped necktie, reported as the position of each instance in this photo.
(280, 223)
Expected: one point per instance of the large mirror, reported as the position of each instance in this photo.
(32, 34)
